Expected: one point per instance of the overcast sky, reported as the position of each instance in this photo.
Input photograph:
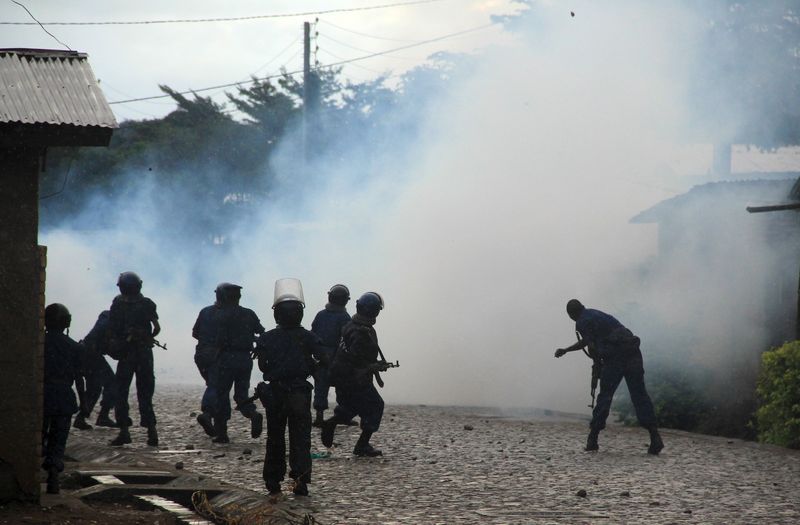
(131, 60)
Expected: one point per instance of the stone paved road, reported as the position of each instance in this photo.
(435, 470)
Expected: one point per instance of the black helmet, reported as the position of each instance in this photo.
(227, 291)
(129, 283)
(369, 305)
(57, 317)
(574, 309)
(339, 294)
(288, 313)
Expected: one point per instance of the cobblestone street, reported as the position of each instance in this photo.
(459, 465)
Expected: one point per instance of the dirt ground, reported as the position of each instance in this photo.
(459, 465)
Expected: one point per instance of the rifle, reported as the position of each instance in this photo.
(597, 366)
(382, 366)
(158, 344)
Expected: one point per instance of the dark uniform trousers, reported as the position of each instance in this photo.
(322, 384)
(288, 406)
(363, 401)
(100, 378)
(629, 366)
(139, 362)
(231, 370)
(55, 432)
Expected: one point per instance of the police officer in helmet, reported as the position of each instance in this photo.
(356, 365)
(287, 355)
(133, 323)
(327, 325)
(62, 368)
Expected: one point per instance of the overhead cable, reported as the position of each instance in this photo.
(297, 72)
(366, 34)
(227, 19)
(36, 22)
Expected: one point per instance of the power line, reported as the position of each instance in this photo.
(365, 34)
(228, 19)
(345, 44)
(36, 22)
(335, 64)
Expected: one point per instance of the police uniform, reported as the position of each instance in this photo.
(205, 330)
(62, 365)
(98, 373)
(130, 320)
(327, 325)
(237, 327)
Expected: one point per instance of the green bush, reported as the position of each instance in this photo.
(778, 415)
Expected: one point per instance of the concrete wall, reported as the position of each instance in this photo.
(21, 325)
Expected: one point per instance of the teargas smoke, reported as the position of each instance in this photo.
(512, 193)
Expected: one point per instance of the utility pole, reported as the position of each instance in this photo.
(310, 93)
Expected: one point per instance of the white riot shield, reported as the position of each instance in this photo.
(288, 289)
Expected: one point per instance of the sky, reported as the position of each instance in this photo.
(130, 61)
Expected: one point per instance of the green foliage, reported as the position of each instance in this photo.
(778, 416)
(678, 400)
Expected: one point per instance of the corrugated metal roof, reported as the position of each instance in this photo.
(42, 86)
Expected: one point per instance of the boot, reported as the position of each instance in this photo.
(52, 481)
(328, 429)
(363, 448)
(273, 487)
(152, 436)
(591, 441)
(81, 424)
(122, 438)
(300, 488)
(103, 420)
(320, 419)
(221, 430)
(256, 424)
(656, 445)
(207, 423)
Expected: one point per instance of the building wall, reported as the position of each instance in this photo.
(21, 325)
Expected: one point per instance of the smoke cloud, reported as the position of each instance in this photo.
(513, 196)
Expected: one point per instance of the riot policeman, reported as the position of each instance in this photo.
(327, 325)
(287, 356)
(354, 367)
(133, 323)
(99, 376)
(237, 328)
(62, 366)
(621, 358)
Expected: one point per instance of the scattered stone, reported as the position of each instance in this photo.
(594, 482)
(247, 451)
(240, 457)
(522, 440)
(468, 427)
(687, 511)
(626, 494)
(193, 414)
(730, 442)
(189, 447)
(179, 465)
(413, 458)
(140, 464)
(432, 462)
(655, 503)
(581, 493)
(219, 456)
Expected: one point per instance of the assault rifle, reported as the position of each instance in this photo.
(159, 344)
(382, 366)
(597, 366)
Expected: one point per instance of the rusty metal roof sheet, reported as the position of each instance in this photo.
(42, 86)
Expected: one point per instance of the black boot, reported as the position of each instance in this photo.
(320, 419)
(207, 423)
(273, 487)
(103, 420)
(256, 424)
(591, 441)
(328, 429)
(81, 424)
(656, 445)
(52, 481)
(152, 436)
(221, 430)
(122, 438)
(300, 488)
(363, 448)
